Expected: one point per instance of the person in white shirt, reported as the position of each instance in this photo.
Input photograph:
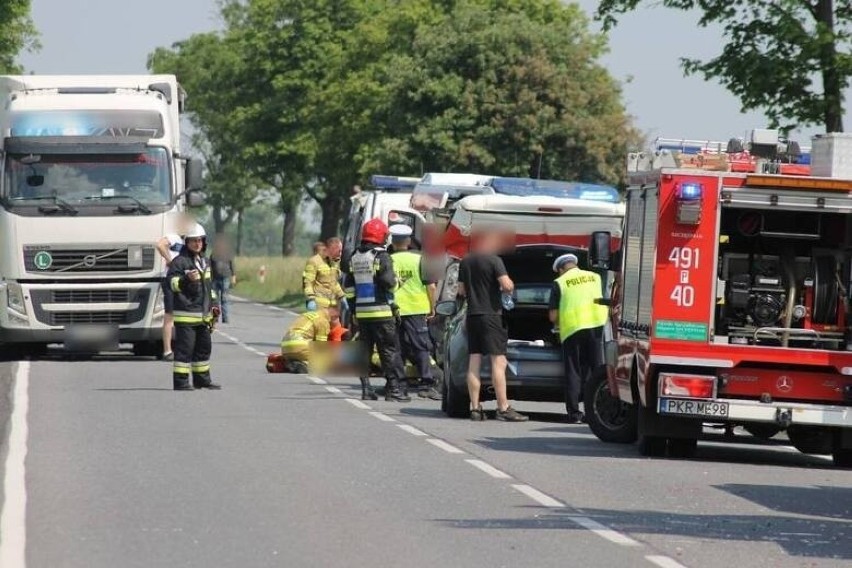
(169, 246)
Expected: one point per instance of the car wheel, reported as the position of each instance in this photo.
(610, 419)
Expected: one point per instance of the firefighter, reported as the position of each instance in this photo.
(321, 278)
(297, 344)
(196, 310)
(580, 319)
(371, 281)
(415, 297)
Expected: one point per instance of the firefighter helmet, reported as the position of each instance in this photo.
(195, 232)
(375, 232)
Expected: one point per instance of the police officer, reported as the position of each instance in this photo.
(321, 277)
(196, 309)
(580, 319)
(415, 297)
(371, 281)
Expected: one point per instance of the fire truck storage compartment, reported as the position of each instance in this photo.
(784, 278)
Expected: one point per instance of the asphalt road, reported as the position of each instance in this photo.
(282, 470)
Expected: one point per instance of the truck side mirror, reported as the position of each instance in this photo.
(195, 198)
(194, 178)
(599, 250)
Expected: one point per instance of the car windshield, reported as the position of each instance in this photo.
(91, 179)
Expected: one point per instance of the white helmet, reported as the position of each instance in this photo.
(195, 232)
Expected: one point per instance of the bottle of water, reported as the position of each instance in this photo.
(508, 301)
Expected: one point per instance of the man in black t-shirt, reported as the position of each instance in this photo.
(482, 280)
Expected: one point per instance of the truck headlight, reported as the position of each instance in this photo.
(15, 298)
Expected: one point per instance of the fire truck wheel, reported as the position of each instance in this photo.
(843, 458)
(682, 447)
(610, 419)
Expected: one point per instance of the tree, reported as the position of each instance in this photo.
(790, 58)
(17, 33)
(505, 88)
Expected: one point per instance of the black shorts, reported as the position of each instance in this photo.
(168, 296)
(486, 335)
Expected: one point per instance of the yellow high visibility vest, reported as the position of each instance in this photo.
(411, 294)
(577, 308)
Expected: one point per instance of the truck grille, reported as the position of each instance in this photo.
(40, 297)
(89, 296)
(133, 258)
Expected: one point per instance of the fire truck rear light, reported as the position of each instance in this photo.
(691, 386)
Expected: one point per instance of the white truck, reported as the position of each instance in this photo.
(92, 170)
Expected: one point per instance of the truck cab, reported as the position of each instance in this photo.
(91, 169)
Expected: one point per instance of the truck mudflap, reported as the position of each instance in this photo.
(781, 413)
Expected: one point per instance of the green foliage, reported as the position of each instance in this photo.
(789, 58)
(283, 282)
(17, 33)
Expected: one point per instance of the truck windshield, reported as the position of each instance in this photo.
(89, 180)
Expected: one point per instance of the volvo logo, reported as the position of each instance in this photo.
(90, 260)
(784, 383)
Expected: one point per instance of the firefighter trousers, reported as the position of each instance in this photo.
(193, 346)
(416, 345)
(381, 335)
(582, 352)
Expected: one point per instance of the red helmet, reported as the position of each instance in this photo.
(374, 231)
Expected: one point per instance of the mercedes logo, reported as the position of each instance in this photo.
(784, 383)
(90, 260)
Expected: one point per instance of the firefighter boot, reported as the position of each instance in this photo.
(367, 392)
(395, 393)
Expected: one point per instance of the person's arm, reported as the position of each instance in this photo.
(386, 276)
(164, 248)
(233, 272)
(553, 307)
(506, 284)
(178, 277)
(432, 291)
(309, 276)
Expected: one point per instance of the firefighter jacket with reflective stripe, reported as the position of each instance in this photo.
(412, 295)
(371, 281)
(310, 326)
(578, 290)
(321, 281)
(193, 299)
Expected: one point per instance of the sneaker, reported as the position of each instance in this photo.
(429, 392)
(511, 415)
(170, 356)
(478, 415)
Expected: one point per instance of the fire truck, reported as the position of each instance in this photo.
(731, 302)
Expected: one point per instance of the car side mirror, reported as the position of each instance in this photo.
(599, 250)
(446, 308)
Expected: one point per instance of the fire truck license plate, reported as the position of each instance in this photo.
(694, 407)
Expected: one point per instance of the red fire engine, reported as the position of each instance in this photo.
(731, 302)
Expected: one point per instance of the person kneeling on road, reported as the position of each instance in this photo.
(574, 308)
(196, 311)
(299, 345)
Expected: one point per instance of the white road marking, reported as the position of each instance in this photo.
(13, 520)
(538, 496)
(411, 430)
(489, 469)
(334, 390)
(664, 562)
(382, 416)
(316, 380)
(357, 403)
(604, 532)
(450, 449)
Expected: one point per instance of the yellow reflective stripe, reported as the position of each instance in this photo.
(294, 342)
(175, 283)
(180, 368)
(374, 315)
(188, 319)
(200, 367)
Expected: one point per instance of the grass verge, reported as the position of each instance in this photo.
(282, 285)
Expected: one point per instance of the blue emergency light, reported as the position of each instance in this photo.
(690, 191)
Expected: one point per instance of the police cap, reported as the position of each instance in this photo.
(563, 260)
(400, 232)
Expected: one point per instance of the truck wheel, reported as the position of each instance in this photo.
(610, 419)
(458, 402)
(682, 447)
(842, 458)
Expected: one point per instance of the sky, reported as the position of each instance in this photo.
(115, 36)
